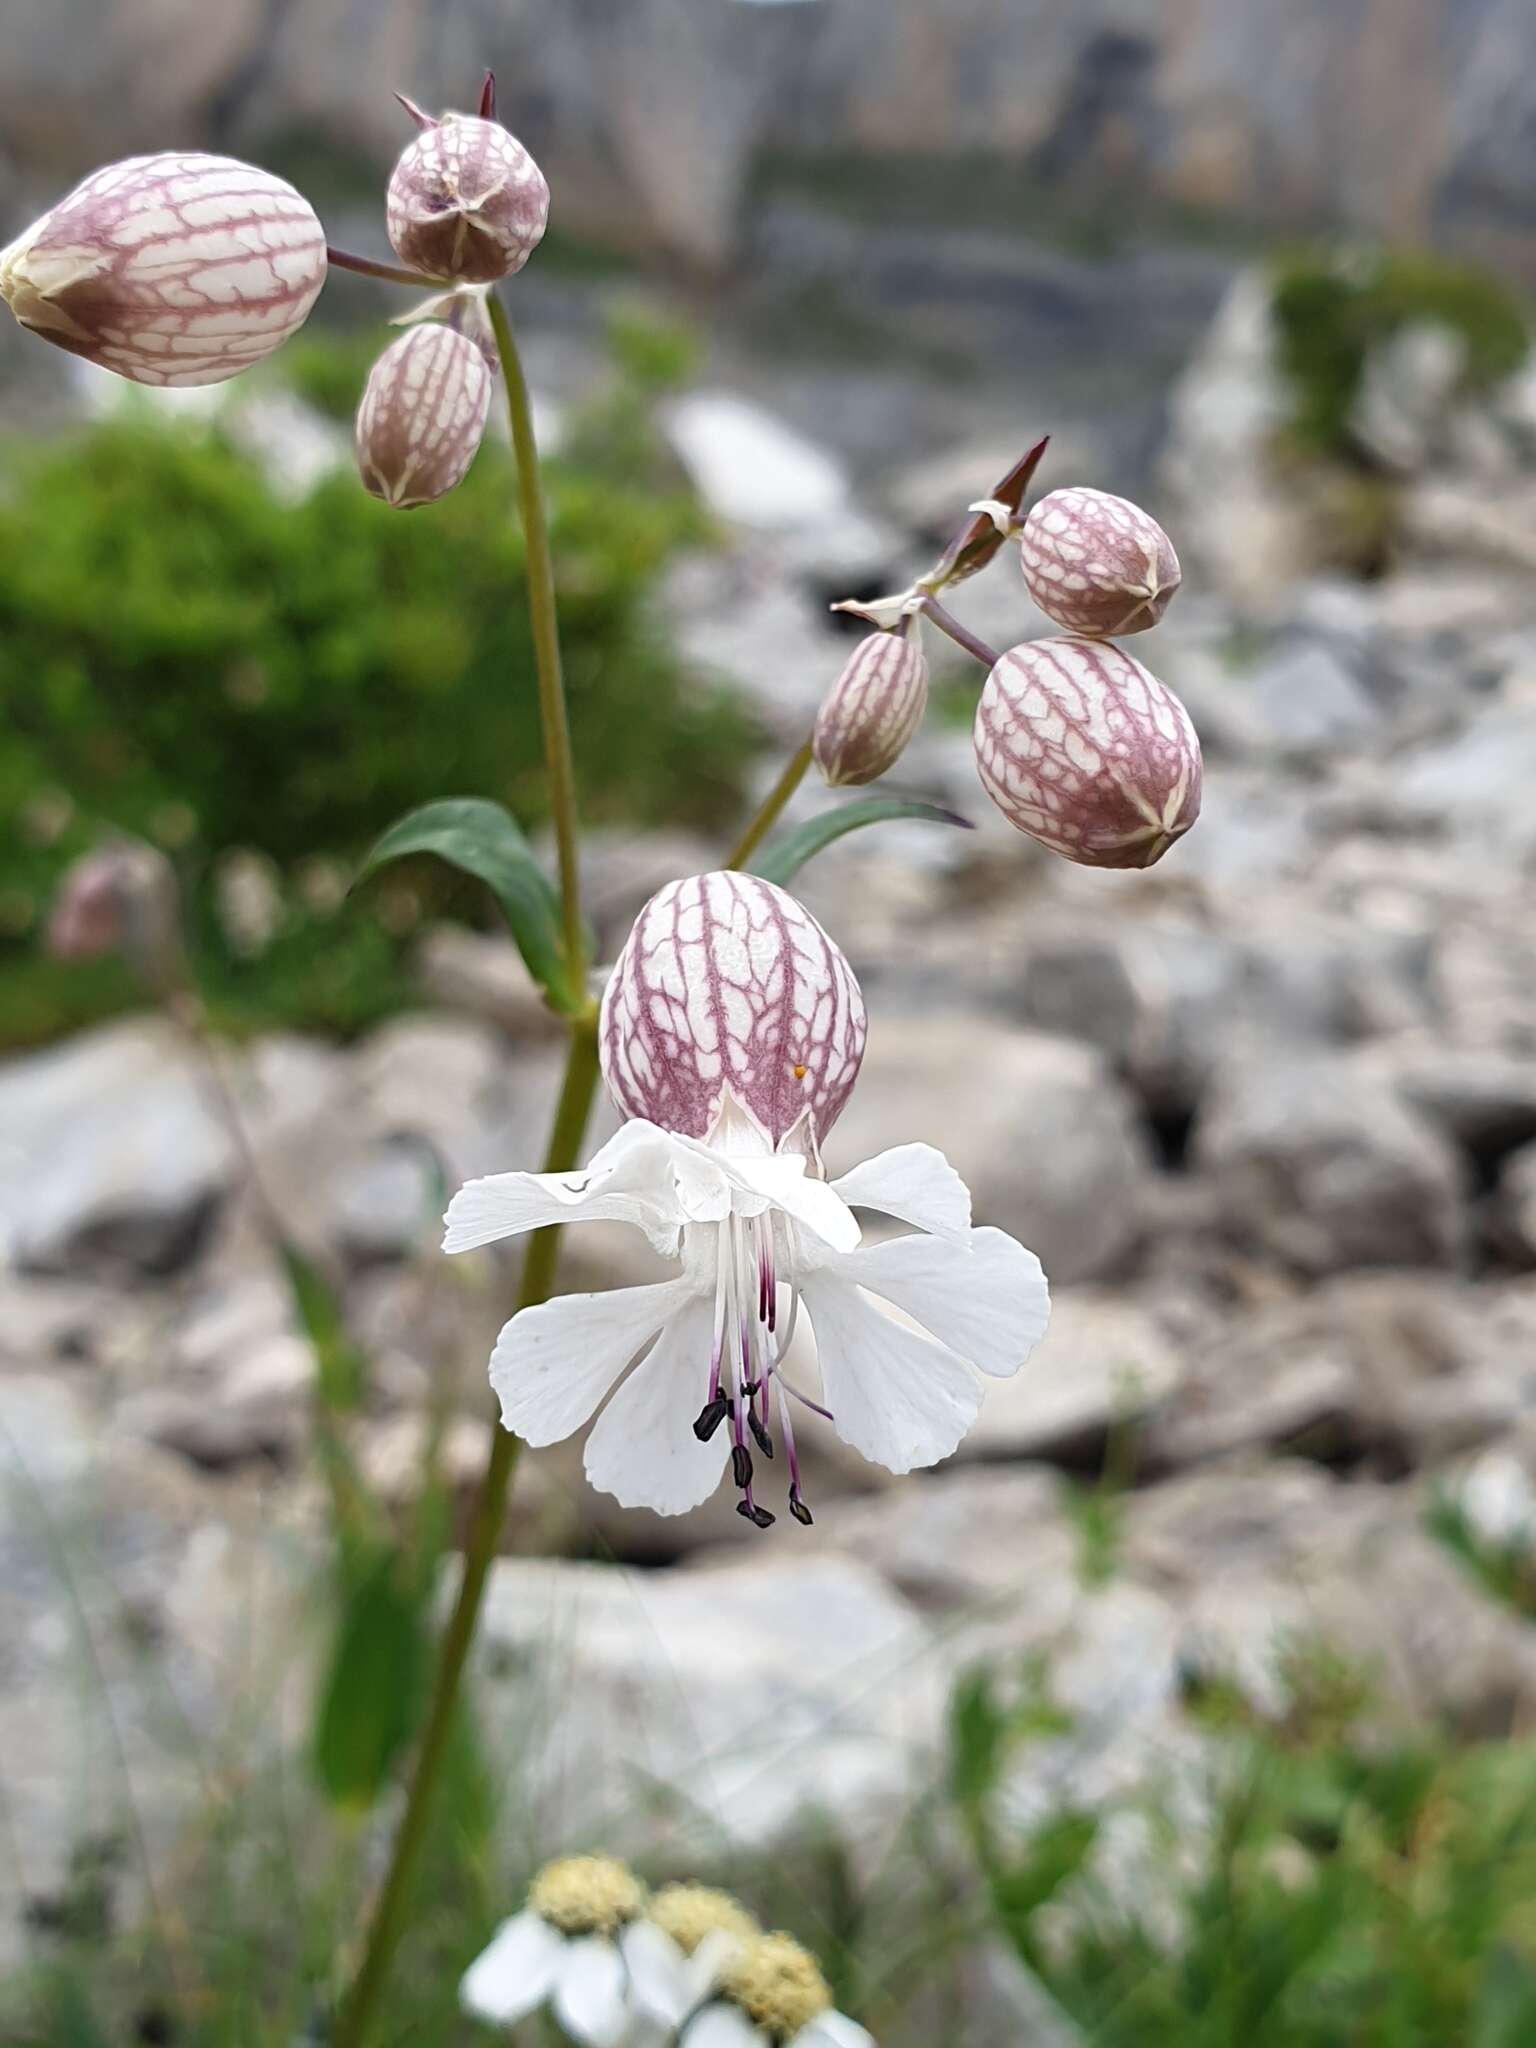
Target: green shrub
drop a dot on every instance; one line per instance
(1332, 308)
(185, 656)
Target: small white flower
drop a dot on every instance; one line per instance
(771, 1994)
(566, 1951)
(758, 1237)
(678, 1953)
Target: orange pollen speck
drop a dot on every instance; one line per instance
(800, 1073)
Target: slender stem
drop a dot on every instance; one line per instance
(546, 640)
(768, 813)
(480, 1546)
(391, 273)
(962, 636)
(564, 1150)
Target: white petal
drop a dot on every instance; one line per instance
(554, 1363)
(784, 1184)
(723, 2026)
(643, 1450)
(833, 2030)
(985, 1296)
(660, 1977)
(515, 1973)
(630, 1180)
(895, 1395)
(913, 1182)
(709, 1959)
(591, 2001)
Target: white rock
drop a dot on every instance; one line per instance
(1037, 1127)
(731, 1710)
(111, 1154)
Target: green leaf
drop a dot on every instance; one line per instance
(481, 838)
(373, 1690)
(1506, 2002)
(782, 858)
(340, 1369)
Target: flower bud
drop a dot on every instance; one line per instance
(1086, 751)
(1097, 564)
(872, 710)
(120, 899)
(727, 983)
(173, 269)
(422, 414)
(466, 201)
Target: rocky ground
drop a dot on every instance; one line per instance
(1268, 1114)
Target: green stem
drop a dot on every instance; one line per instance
(564, 1151)
(546, 639)
(480, 1547)
(768, 814)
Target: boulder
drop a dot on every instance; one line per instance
(1103, 1366)
(1320, 1165)
(764, 1705)
(1038, 1128)
(114, 1158)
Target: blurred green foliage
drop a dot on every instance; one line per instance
(187, 655)
(1346, 1889)
(1333, 307)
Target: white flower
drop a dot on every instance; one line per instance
(758, 1237)
(565, 1951)
(771, 1994)
(677, 1954)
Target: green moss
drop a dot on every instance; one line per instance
(1332, 308)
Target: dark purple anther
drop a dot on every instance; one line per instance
(710, 1418)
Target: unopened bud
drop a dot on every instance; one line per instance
(172, 269)
(1086, 751)
(120, 899)
(466, 201)
(873, 709)
(1098, 564)
(422, 414)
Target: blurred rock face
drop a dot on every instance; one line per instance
(1408, 116)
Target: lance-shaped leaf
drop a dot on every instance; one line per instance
(782, 858)
(371, 1699)
(480, 838)
(979, 540)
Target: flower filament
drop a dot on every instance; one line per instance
(746, 1385)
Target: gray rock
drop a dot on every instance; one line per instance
(1309, 698)
(137, 1660)
(1399, 1370)
(1037, 1127)
(1408, 390)
(257, 1411)
(1103, 1365)
(1274, 1569)
(967, 1535)
(1517, 1203)
(113, 1159)
(483, 975)
(1319, 1164)
(387, 1202)
(762, 1704)
(1476, 784)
